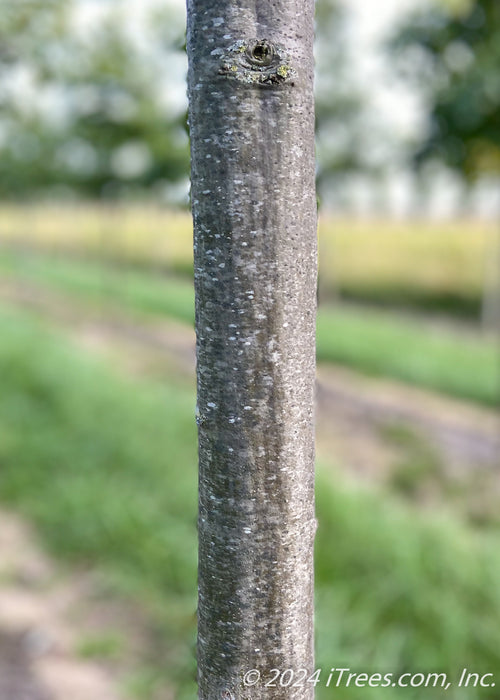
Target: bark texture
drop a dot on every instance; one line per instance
(254, 210)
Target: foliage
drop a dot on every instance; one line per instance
(81, 112)
(27, 28)
(454, 56)
(373, 342)
(106, 467)
(87, 108)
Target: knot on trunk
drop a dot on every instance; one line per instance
(257, 62)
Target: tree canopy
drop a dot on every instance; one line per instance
(453, 53)
(86, 111)
(88, 108)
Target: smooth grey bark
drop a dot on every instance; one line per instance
(251, 117)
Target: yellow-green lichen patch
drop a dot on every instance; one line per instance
(256, 62)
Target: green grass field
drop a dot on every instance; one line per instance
(374, 342)
(106, 468)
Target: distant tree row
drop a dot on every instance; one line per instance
(87, 111)
(91, 111)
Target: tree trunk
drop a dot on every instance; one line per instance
(254, 210)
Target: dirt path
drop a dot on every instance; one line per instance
(48, 621)
(466, 437)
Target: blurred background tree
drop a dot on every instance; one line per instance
(82, 114)
(81, 111)
(452, 53)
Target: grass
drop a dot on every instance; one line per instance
(396, 590)
(383, 344)
(99, 647)
(106, 468)
(374, 342)
(103, 282)
(433, 266)
(418, 469)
